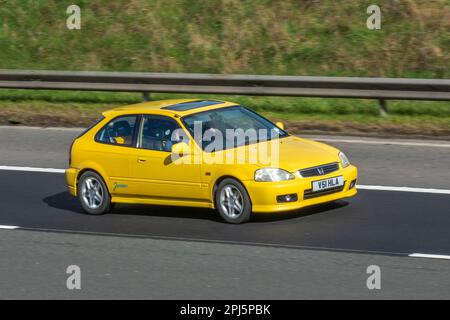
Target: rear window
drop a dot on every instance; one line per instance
(90, 127)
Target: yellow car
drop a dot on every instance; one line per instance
(203, 153)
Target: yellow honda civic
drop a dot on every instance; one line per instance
(203, 153)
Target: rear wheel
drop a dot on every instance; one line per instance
(232, 201)
(93, 194)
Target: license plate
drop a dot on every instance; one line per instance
(327, 183)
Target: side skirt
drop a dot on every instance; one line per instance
(162, 201)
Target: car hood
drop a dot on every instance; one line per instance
(292, 153)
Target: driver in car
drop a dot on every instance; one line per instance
(122, 133)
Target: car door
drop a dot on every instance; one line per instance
(157, 175)
(114, 152)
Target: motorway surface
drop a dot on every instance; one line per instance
(320, 252)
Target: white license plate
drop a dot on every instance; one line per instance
(327, 183)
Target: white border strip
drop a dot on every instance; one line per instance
(360, 187)
(31, 169)
(8, 227)
(387, 142)
(403, 189)
(429, 256)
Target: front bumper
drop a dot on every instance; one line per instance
(264, 194)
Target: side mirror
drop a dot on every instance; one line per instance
(181, 149)
(280, 125)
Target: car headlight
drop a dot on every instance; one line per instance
(272, 174)
(344, 160)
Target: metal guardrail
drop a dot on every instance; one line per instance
(257, 85)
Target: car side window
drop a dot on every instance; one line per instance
(119, 131)
(160, 133)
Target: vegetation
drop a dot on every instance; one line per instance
(289, 37)
(346, 116)
(308, 37)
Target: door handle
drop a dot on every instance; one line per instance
(142, 160)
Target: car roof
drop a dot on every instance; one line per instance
(180, 107)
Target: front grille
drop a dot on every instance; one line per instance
(319, 170)
(310, 194)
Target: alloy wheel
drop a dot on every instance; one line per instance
(92, 193)
(231, 201)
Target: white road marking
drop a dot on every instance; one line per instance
(387, 142)
(9, 227)
(31, 169)
(430, 256)
(361, 187)
(404, 189)
(41, 128)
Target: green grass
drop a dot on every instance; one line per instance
(291, 37)
(65, 108)
(287, 107)
(288, 37)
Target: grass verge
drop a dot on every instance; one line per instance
(343, 116)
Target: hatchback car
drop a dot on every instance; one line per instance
(203, 153)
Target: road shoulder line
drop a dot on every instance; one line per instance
(360, 187)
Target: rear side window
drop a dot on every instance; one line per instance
(119, 131)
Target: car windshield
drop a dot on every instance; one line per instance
(230, 127)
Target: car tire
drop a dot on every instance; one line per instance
(93, 194)
(232, 201)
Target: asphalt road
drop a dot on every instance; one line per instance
(377, 221)
(170, 252)
(33, 266)
(418, 164)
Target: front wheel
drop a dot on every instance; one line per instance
(93, 193)
(232, 201)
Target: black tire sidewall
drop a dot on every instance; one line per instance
(245, 215)
(106, 205)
